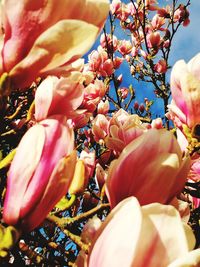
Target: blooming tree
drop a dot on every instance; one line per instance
(90, 177)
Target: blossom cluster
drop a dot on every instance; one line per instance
(85, 147)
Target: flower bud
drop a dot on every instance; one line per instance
(40, 173)
(150, 164)
(144, 234)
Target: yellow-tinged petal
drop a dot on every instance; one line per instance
(78, 182)
(67, 40)
(64, 203)
(191, 259)
(39, 16)
(158, 241)
(147, 236)
(191, 93)
(95, 12)
(190, 236)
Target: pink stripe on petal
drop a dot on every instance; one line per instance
(22, 169)
(56, 188)
(59, 142)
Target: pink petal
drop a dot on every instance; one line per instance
(59, 142)
(182, 140)
(22, 169)
(25, 21)
(54, 48)
(56, 188)
(44, 97)
(177, 112)
(150, 164)
(191, 93)
(179, 70)
(158, 244)
(58, 96)
(123, 223)
(144, 237)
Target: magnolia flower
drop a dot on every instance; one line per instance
(100, 127)
(182, 15)
(123, 128)
(115, 7)
(124, 47)
(185, 88)
(40, 173)
(151, 4)
(100, 62)
(81, 120)
(150, 236)
(103, 107)
(109, 41)
(58, 96)
(154, 40)
(117, 61)
(123, 92)
(42, 35)
(93, 94)
(150, 168)
(157, 22)
(161, 66)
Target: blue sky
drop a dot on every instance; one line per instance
(186, 45)
(187, 40)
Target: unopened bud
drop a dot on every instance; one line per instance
(136, 105)
(157, 123)
(141, 108)
(89, 202)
